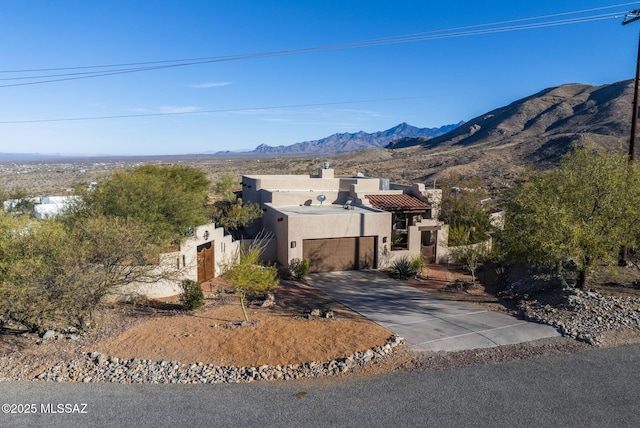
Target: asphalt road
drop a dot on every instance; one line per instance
(595, 388)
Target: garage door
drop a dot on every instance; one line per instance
(336, 254)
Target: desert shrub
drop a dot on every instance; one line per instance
(404, 268)
(298, 269)
(54, 274)
(418, 263)
(192, 296)
(472, 256)
(249, 278)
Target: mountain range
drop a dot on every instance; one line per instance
(547, 123)
(500, 145)
(352, 142)
(496, 147)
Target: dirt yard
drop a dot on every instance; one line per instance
(285, 333)
(282, 334)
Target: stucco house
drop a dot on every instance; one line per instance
(346, 223)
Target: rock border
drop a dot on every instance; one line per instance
(584, 315)
(98, 368)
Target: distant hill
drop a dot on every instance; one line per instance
(546, 122)
(533, 132)
(15, 157)
(348, 142)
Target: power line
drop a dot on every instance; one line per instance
(232, 110)
(327, 46)
(465, 31)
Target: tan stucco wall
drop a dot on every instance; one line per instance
(185, 263)
(283, 190)
(442, 247)
(277, 224)
(308, 197)
(297, 228)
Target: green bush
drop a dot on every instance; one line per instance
(192, 296)
(404, 268)
(249, 278)
(298, 269)
(418, 263)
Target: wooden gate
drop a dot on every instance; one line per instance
(429, 253)
(206, 262)
(428, 247)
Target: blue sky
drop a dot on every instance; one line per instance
(283, 99)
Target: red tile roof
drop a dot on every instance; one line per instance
(396, 202)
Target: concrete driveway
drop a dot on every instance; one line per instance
(427, 323)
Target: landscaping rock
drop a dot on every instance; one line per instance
(50, 334)
(583, 315)
(98, 368)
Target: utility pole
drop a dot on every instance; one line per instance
(630, 17)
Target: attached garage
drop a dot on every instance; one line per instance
(338, 254)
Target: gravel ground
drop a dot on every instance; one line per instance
(585, 318)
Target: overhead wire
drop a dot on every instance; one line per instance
(135, 67)
(464, 31)
(338, 44)
(234, 110)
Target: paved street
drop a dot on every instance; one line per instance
(428, 323)
(595, 388)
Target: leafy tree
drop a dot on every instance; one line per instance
(169, 200)
(249, 278)
(37, 264)
(225, 186)
(115, 252)
(471, 256)
(24, 200)
(53, 274)
(468, 221)
(583, 211)
(228, 210)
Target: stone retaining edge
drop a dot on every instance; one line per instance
(99, 368)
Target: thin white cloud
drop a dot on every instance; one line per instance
(258, 112)
(276, 119)
(209, 85)
(178, 109)
(362, 113)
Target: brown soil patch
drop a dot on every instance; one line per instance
(213, 335)
(278, 335)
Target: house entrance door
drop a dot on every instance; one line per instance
(206, 262)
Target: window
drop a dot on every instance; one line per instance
(399, 221)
